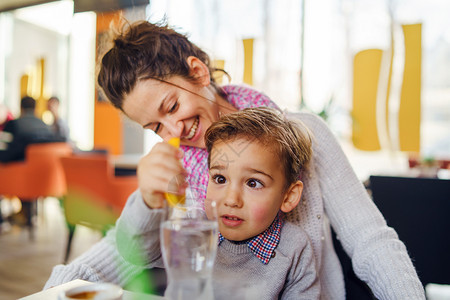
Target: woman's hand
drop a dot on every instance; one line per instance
(159, 172)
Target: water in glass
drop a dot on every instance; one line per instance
(189, 246)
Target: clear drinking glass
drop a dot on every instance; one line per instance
(188, 247)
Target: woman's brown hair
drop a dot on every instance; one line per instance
(143, 50)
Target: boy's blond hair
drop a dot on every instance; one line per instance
(290, 139)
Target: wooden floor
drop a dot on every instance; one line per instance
(25, 265)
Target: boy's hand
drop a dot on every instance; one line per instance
(161, 172)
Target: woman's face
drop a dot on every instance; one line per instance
(176, 108)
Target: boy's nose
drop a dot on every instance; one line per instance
(233, 198)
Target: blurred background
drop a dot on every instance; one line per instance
(378, 72)
(303, 54)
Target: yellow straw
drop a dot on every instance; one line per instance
(172, 198)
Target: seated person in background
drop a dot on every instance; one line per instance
(59, 127)
(25, 130)
(5, 116)
(255, 158)
(18, 134)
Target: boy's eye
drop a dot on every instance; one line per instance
(219, 179)
(255, 184)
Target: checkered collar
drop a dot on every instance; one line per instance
(264, 244)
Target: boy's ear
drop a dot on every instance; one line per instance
(292, 196)
(199, 70)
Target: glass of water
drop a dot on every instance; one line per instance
(188, 246)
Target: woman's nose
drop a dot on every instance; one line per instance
(174, 129)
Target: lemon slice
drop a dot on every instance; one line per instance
(175, 200)
(172, 198)
(174, 142)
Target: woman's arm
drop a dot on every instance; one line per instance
(101, 263)
(116, 261)
(137, 233)
(378, 257)
(133, 245)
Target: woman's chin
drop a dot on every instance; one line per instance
(198, 143)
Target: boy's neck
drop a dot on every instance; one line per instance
(280, 216)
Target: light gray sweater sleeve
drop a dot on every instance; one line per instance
(137, 233)
(103, 262)
(379, 258)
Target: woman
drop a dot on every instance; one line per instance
(164, 83)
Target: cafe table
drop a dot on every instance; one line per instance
(52, 293)
(125, 164)
(126, 161)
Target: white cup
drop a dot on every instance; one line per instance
(97, 291)
(437, 291)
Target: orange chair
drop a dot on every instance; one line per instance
(95, 197)
(39, 175)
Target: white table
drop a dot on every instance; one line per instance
(52, 293)
(126, 161)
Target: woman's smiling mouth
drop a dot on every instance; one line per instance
(193, 129)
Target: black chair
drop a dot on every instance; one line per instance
(419, 210)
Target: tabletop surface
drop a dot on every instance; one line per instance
(126, 160)
(52, 293)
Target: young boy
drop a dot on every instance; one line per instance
(255, 158)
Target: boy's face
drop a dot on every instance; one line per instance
(246, 180)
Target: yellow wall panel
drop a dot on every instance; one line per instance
(366, 72)
(248, 61)
(218, 75)
(388, 92)
(23, 86)
(41, 102)
(409, 111)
